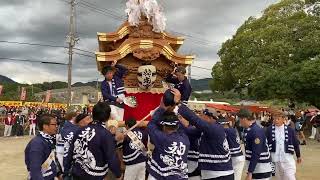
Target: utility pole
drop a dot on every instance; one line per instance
(71, 39)
(19, 93)
(97, 86)
(32, 89)
(189, 73)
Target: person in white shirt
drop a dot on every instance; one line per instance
(8, 122)
(32, 124)
(313, 121)
(283, 143)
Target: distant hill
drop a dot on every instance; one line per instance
(51, 85)
(197, 85)
(4, 79)
(92, 84)
(200, 85)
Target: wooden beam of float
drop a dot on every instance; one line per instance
(123, 124)
(124, 30)
(130, 45)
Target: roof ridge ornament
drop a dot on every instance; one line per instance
(148, 8)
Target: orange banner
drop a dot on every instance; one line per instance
(48, 95)
(23, 94)
(1, 87)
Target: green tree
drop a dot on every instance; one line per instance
(300, 81)
(52, 85)
(266, 55)
(10, 92)
(222, 80)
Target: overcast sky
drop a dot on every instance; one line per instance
(206, 24)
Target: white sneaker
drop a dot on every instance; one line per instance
(311, 137)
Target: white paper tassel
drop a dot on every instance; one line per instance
(133, 12)
(150, 9)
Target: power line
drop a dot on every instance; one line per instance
(191, 66)
(202, 77)
(100, 12)
(32, 44)
(107, 12)
(196, 39)
(84, 55)
(199, 67)
(202, 68)
(163, 4)
(47, 45)
(44, 45)
(30, 60)
(84, 50)
(65, 1)
(201, 41)
(57, 46)
(103, 9)
(203, 60)
(193, 75)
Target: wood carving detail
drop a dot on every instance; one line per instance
(144, 30)
(146, 54)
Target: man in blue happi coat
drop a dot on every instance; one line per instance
(40, 156)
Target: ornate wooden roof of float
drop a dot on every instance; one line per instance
(125, 30)
(147, 50)
(142, 43)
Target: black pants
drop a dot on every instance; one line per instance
(229, 177)
(82, 178)
(68, 178)
(195, 173)
(262, 175)
(19, 130)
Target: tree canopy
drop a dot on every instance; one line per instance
(11, 90)
(275, 55)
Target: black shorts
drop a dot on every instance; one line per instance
(262, 175)
(196, 172)
(229, 177)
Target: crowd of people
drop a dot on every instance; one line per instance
(17, 120)
(177, 143)
(185, 146)
(300, 121)
(22, 120)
